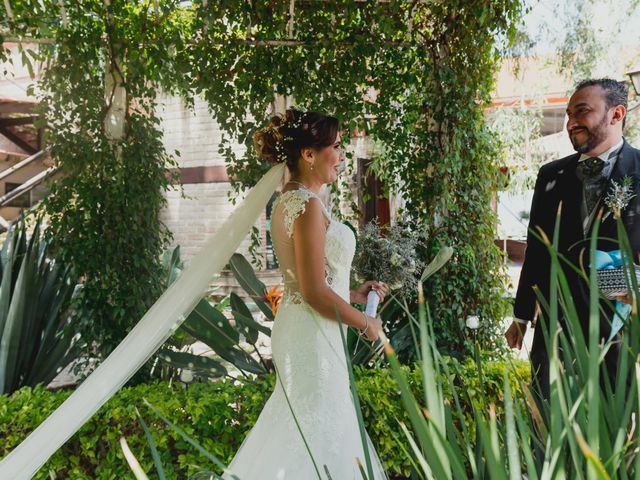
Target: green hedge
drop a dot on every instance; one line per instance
(218, 415)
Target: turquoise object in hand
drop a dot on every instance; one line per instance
(603, 260)
(608, 260)
(616, 256)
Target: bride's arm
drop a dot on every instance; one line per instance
(309, 231)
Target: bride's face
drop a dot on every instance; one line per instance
(328, 162)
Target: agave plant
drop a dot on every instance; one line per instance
(37, 335)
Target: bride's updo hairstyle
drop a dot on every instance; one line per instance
(284, 137)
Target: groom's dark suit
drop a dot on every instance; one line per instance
(557, 182)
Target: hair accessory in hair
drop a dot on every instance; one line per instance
(282, 154)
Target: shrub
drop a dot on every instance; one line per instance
(216, 414)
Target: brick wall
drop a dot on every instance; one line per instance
(195, 216)
(191, 131)
(194, 219)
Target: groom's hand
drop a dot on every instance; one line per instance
(515, 334)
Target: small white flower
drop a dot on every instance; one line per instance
(395, 259)
(186, 375)
(473, 322)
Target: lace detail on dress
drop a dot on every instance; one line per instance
(292, 297)
(329, 274)
(294, 203)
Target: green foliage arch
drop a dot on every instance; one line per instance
(414, 75)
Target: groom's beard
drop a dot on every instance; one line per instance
(595, 137)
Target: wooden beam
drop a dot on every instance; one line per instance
(40, 138)
(11, 122)
(11, 170)
(27, 186)
(7, 7)
(259, 43)
(24, 145)
(194, 175)
(16, 106)
(39, 41)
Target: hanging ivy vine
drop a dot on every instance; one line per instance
(106, 62)
(414, 75)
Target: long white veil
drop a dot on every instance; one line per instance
(162, 319)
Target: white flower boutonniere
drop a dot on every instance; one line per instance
(619, 197)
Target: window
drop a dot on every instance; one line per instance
(373, 203)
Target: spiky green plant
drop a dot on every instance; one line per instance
(586, 430)
(37, 335)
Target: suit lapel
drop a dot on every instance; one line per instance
(625, 166)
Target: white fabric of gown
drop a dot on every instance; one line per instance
(311, 369)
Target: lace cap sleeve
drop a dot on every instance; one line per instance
(294, 203)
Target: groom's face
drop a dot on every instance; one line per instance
(589, 122)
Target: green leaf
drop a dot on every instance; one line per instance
(244, 320)
(247, 279)
(198, 363)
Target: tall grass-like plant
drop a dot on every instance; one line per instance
(247, 279)
(37, 336)
(586, 430)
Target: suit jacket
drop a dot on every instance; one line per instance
(557, 182)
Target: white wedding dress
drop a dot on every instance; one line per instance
(312, 378)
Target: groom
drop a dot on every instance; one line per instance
(596, 117)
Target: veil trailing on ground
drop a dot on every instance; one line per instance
(162, 319)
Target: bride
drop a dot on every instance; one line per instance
(308, 428)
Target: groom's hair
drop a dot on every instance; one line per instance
(615, 92)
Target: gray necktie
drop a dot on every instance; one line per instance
(591, 172)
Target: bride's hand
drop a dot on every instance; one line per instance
(374, 328)
(359, 295)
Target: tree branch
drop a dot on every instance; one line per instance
(43, 41)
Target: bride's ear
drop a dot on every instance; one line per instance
(308, 155)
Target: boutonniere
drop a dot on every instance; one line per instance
(619, 196)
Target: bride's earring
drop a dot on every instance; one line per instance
(311, 168)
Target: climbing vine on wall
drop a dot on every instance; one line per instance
(414, 75)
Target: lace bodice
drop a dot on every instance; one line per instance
(339, 244)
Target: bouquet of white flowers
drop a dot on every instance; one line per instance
(390, 258)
